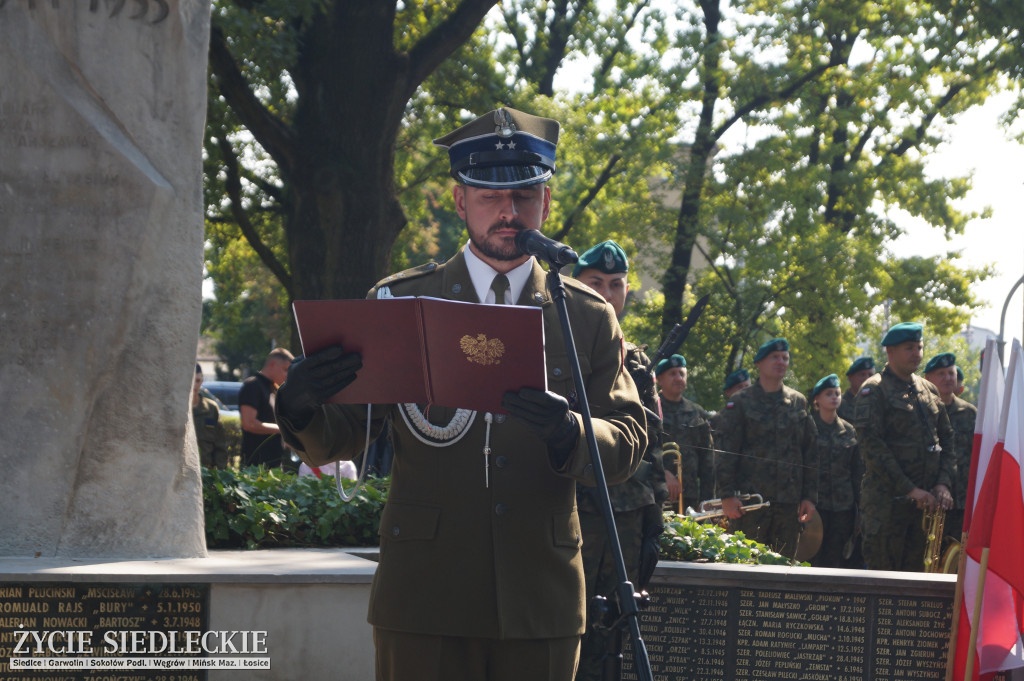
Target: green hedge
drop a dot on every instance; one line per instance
(256, 508)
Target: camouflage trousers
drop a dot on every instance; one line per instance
(893, 536)
(836, 526)
(601, 578)
(776, 526)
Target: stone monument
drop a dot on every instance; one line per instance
(102, 107)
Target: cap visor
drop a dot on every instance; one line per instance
(504, 177)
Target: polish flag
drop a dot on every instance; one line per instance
(994, 561)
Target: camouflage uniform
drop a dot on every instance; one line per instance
(839, 481)
(637, 506)
(769, 447)
(213, 447)
(907, 442)
(962, 417)
(686, 423)
(845, 410)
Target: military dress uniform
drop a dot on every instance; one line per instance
(688, 425)
(769, 447)
(962, 417)
(501, 561)
(907, 442)
(839, 479)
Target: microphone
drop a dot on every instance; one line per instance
(532, 242)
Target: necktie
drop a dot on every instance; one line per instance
(499, 286)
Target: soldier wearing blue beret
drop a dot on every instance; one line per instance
(513, 606)
(908, 447)
(840, 474)
(769, 447)
(860, 370)
(691, 473)
(942, 372)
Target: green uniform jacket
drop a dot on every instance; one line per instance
(962, 417)
(686, 424)
(898, 445)
(461, 559)
(769, 447)
(213, 448)
(845, 410)
(842, 468)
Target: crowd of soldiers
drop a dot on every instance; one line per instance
(863, 465)
(870, 462)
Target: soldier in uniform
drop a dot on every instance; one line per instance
(942, 372)
(861, 369)
(769, 447)
(686, 424)
(734, 382)
(907, 445)
(480, 574)
(210, 437)
(840, 473)
(636, 502)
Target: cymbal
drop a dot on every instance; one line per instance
(810, 539)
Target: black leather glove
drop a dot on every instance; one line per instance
(313, 380)
(549, 416)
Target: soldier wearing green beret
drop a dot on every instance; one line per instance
(908, 448)
(769, 447)
(480, 575)
(636, 502)
(210, 436)
(841, 470)
(734, 382)
(687, 425)
(861, 370)
(942, 372)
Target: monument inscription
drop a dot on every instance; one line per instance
(99, 620)
(700, 632)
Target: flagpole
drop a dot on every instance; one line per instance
(958, 597)
(978, 599)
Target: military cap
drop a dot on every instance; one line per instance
(903, 332)
(669, 363)
(607, 256)
(959, 375)
(860, 364)
(940, 361)
(736, 377)
(502, 149)
(830, 381)
(774, 345)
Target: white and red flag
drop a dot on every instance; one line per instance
(992, 609)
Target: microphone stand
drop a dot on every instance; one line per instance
(628, 605)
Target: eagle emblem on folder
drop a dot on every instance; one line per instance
(482, 350)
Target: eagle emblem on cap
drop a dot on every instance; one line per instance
(504, 126)
(482, 350)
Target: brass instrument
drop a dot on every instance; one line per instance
(673, 448)
(712, 508)
(933, 522)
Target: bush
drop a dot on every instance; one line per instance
(686, 539)
(256, 508)
(232, 426)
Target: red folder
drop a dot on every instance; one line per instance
(429, 350)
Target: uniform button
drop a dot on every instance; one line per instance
(500, 462)
(457, 288)
(588, 469)
(394, 531)
(556, 371)
(499, 418)
(500, 509)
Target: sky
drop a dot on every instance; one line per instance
(977, 144)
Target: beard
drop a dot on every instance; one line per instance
(498, 248)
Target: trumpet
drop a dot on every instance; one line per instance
(712, 508)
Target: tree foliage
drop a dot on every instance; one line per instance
(753, 150)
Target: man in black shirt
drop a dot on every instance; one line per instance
(261, 439)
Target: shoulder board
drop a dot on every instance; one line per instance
(406, 275)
